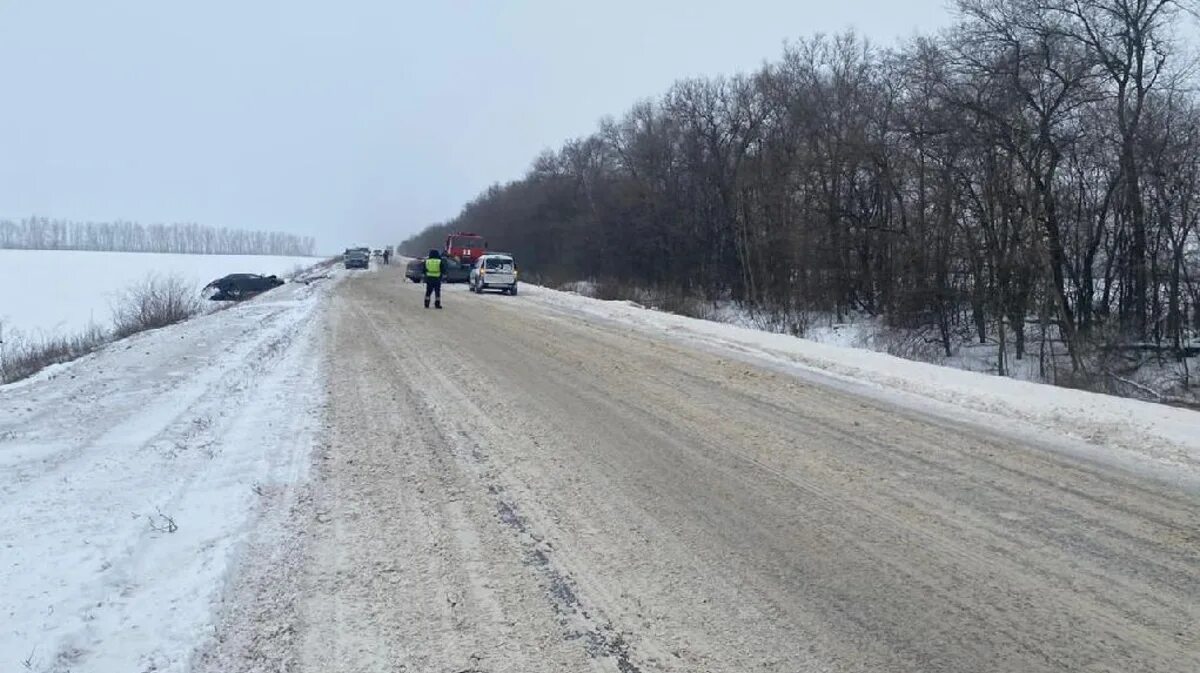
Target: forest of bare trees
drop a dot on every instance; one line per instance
(1029, 178)
(39, 233)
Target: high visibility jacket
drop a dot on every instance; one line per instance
(433, 268)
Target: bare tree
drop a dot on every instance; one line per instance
(1033, 166)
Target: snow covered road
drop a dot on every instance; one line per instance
(546, 483)
(512, 488)
(130, 479)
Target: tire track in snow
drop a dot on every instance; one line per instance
(580, 622)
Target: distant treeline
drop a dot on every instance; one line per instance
(1038, 163)
(39, 233)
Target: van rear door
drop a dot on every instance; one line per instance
(498, 271)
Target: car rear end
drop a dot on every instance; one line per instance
(497, 272)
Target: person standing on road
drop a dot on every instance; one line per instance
(387, 255)
(433, 278)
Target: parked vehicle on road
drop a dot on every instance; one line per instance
(239, 286)
(465, 247)
(415, 270)
(494, 271)
(452, 271)
(355, 258)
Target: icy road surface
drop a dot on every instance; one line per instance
(509, 487)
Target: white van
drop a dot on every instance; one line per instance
(494, 271)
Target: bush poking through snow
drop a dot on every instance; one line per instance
(155, 302)
(161, 523)
(22, 357)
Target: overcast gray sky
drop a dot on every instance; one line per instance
(351, 120)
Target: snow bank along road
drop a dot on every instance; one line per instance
(130, 480)
(508, 488)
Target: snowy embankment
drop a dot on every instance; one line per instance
(54, 292)
(1162, 439)
(130, 478)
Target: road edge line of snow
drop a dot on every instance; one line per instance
(1153, 439)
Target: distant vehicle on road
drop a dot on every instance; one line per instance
(356, 258)
(239, 286)
(494, 271)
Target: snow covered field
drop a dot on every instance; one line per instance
(55, 292)
(130, 478)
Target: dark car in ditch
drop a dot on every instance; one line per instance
(239, 286)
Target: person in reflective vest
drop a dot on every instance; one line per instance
(433, 278)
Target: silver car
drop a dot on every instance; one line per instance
(494, 271)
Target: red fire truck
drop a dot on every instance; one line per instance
(465, 247)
